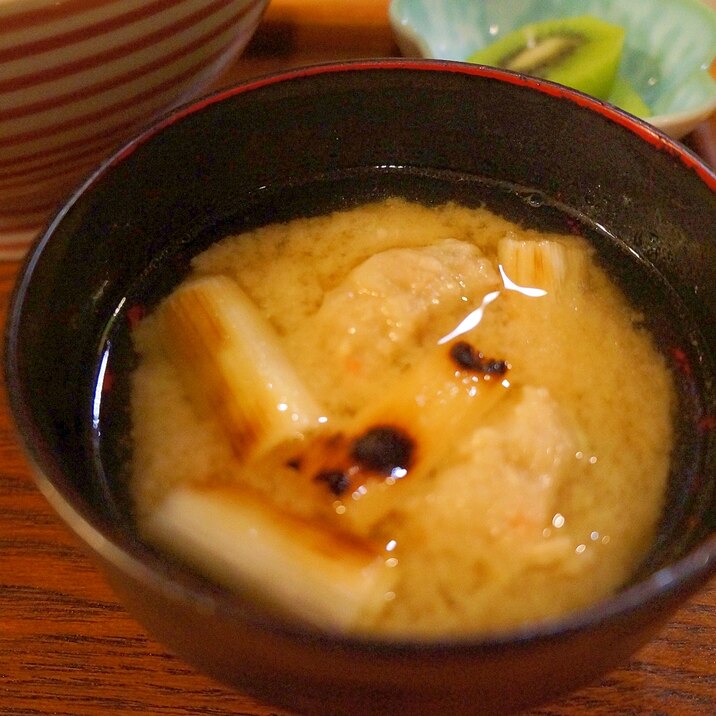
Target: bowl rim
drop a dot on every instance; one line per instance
(656, 136)
(136, 560)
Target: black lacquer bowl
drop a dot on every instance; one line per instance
(323, 138)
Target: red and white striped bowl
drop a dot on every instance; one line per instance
(79, 76)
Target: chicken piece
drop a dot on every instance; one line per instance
(392, 305)
(508, 473)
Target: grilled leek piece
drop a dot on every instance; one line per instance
(241, 540)
(402, 437)
(552, 266)
(233, 366)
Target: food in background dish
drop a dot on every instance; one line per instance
(403, 420)
(580, 52)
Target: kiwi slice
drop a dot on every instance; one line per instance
(580, 52)
(624, 95)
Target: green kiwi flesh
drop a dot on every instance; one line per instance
(581, 52)
(624, 95)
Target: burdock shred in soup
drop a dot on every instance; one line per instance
(402, 420)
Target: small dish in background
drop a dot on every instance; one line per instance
(668, 49)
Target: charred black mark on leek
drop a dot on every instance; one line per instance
(383, 449)
(468, 358)
(338, 482)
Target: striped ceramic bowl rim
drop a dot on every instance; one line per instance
(79, 76)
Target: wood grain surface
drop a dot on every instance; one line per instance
(67, 648)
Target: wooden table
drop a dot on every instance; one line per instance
(67, 648)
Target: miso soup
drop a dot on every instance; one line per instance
(402, 419)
